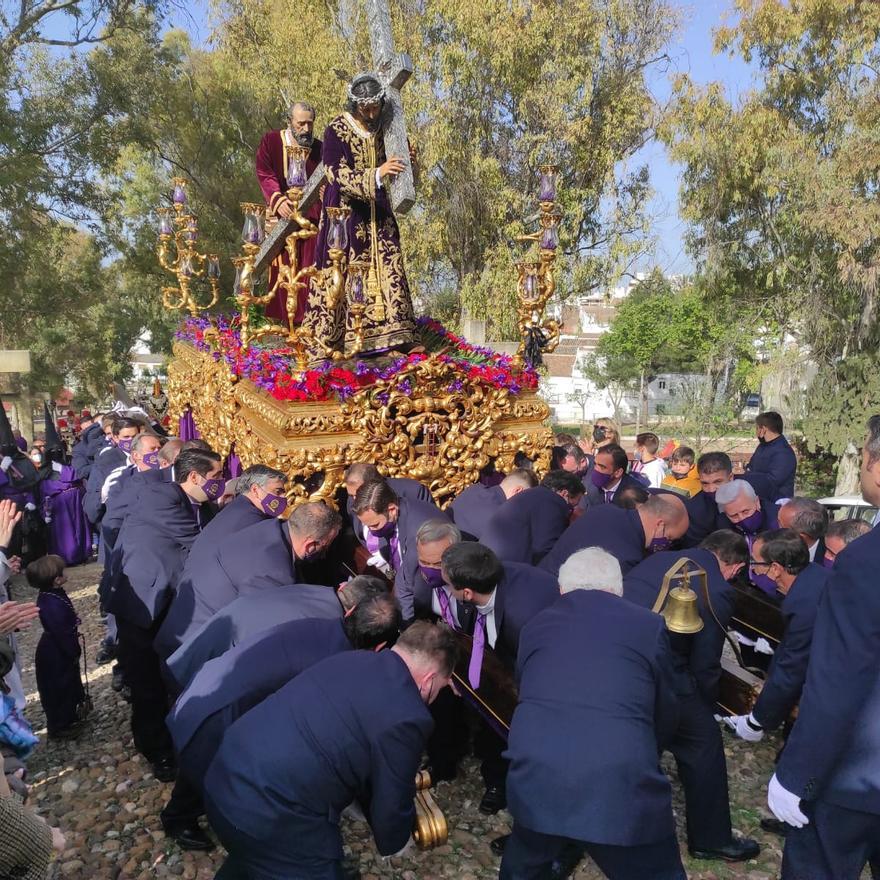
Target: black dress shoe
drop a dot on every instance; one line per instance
(165, 770)
(440, 773)
(107, 654)
(494, 799)
(350, 870)
(117, 679)
(190, 837)
(567, 862)
(740, 849)
(774, 826)
(498, 844)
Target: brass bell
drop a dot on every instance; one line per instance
(677, 602)
(681, 612)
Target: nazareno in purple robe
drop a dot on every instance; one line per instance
(70, 534)
(351, 156)
(57, 660)
(271, 164)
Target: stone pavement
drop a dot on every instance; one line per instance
(103, 796)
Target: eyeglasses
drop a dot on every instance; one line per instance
(754, 563)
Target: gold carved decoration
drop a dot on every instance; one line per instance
(430, 422)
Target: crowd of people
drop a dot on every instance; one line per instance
(282, 672)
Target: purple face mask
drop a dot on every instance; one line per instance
(433, 576)
(752, 522)
(385, 531)
(125, 444)
(827, 563)
(273, 505)
(600, 480)
(763, 582)
(151, 460)
(213, 488)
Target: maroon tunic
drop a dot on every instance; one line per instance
(273, 182)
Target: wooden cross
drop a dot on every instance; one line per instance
(395, 70)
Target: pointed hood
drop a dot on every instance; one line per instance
(7, 440)
(53, 440)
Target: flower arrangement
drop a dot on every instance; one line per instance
(269, 367)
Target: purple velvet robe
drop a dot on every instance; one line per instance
(272, 174)
(351, 156)
(57, 660)
(70, 535)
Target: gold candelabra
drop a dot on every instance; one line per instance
(187, 265)
(537, 280)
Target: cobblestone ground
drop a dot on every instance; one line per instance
(103, 796)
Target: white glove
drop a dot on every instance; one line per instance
(744, 640)
(745, 727)
(30, 506)
(762, 646)
(785, 805)
(4, 464)
(377, 560)
(57, 467)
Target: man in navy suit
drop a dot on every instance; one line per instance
(827, 781)
(229, 685)
(584, 745)
(433, 539)
(697, 743)
(504, 597)
(123, 432)
(774, 458)
(473, 508)
(742, 510)
(268, 554)
(608, 476)
(391, 524)
(784, 558)
(363, 472)
(810, 520)
(82, 454)
(526, 527)
(627, 535)
(259, 496)
(352, 726)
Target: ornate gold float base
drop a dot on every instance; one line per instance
(430, 422)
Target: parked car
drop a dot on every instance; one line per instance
(848, 507)
(751, 408)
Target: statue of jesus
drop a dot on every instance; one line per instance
(358, 176)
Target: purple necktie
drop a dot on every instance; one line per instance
(476, 663)
(445, 610)
(609, 496)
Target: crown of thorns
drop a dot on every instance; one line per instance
(364, 100)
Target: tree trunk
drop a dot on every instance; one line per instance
(848, 472)
(642, 403)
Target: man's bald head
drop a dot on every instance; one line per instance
(663, 515)
(169, 452)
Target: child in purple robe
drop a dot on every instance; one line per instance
(58, 651)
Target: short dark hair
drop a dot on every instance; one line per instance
(42, 573)
(314, 519)
(363, 587)
(785, 547)
(201, 461)
(630, 496)
(810, 517)
(848, 529)
(375, 495)
(770, 420)
(367, 87)
(564, 439)
(712, 462)
(575, 452)
(619, 458)
(683, 454)
(257, 475)
(649, 440)
(563, 481)
(729, 546)
(121, 424)
(472, 566)
(872, 441)
(372, 621)
(198, 443)
(433, 642)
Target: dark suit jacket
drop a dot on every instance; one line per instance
(697, 658)
(525, 528)
(834, 749)
(350, 726)
(404, 488)
(109, 459)
(149, 554)
(777, 460)
(228, 686)
(83, 452)
(785, 680)
(257, 557)
(703, 518)
(596, 728)
(122, 495)
(594, 496)
(246, 616)
(615, 530)
(238, 515)
(472, 510)
(413, 514)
